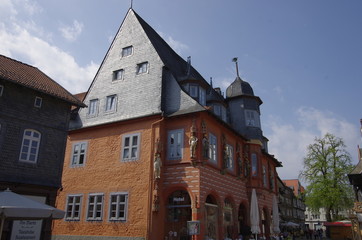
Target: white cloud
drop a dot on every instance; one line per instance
(288, 142)
(71, 33)
(26, 41)
(30, 7)
(56, 63)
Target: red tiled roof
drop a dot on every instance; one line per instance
(31, 77)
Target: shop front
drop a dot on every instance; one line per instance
(178, 214)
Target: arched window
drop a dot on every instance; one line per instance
(178, 214)
(211, 218)
(228, 219)
(30, 146)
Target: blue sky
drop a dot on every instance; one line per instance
(302, 58)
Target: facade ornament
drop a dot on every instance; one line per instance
(246, 161)
(239, 159)
(205, 141)
(157, 164)
(193, 140)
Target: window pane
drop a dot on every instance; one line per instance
(126, 141)
(135, 139)
(134, 152)
(126, 153)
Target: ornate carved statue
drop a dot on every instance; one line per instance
(193, 143)
(157, 164)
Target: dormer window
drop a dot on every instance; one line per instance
(220, 111)
(194, 91)
(127, 51)
(118, 75)
(198, 93)
(142, 67)
(37, 102)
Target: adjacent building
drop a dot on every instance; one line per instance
(291, 203)
(34, 117)
(159, 153)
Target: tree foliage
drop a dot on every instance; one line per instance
(326, 166)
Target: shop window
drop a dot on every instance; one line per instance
(228, 220)
(178, 214)
(211, 218)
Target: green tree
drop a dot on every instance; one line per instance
(326, 166)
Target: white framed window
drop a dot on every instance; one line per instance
(95, 207)
(142, 68)
(30, 146)
(111, 102)
(79, 153)
(194, 91)
(254, 164)
(1, 90)
(93, 107)
(73, 207)
(118, 206)
(175, 142)
(38, 102)
(251, 118)
(131, 145)
(118, 75)
(213, 147)
(230, 157)
(127, 51)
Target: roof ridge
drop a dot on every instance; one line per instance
(14, 60)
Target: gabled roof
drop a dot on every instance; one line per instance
(177, 65)
(31, 77)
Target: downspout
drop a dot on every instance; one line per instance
(150, 191)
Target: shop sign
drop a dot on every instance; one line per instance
(193, 227)
(178, 199)
(26, 230)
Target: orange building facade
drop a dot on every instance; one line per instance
(171, 167)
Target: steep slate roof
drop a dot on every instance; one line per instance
(31, 77)
(170, 58)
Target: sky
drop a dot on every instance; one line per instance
(302, 58)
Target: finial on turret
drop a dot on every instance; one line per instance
(235, 60)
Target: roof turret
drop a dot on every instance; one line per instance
(239, 88)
